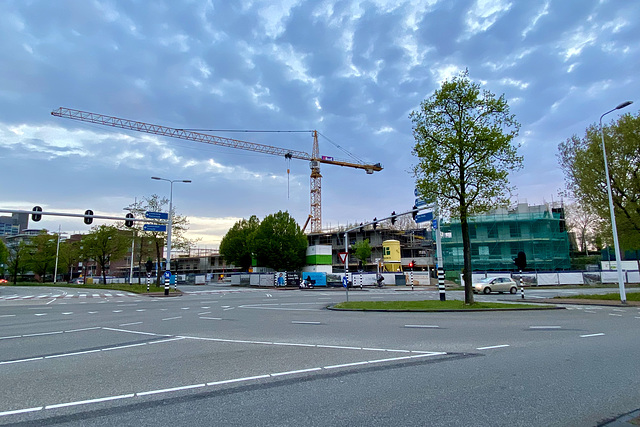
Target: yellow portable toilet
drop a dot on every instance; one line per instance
(391, 255)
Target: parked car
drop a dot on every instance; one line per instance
(495, 284)
(4, 281)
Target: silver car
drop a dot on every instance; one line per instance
(495, 284)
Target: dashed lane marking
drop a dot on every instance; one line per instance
(591, 335)
(492, 347)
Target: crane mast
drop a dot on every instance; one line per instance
(314, 159)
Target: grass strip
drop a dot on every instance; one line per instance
(631, 296)
(427, 305)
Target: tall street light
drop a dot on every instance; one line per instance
(623, 297)
(166, 287)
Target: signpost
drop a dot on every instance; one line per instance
(157, 215)
(424, 217)
(155, 227)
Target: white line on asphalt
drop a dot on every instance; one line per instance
(301, 322)
(173, 318)
(341, 347)
(21, 411)
(68, 313)
(344, 365)
(492, 346)
(70, 354)
(50, 301)
(91, 312)
(611, 314)
(422, 326)
(235, 380)
(230, 308)
(203, 313)
(141, 309)
(167, 340)
(83, 329)
(11, 336)
(293, 344)
(588, 311)
(84, 402)
(129, 324)
(8, 362)
(135, 332)
(300, 371)
(40, 314)
(591, 335)
(167, 390)
(185, 308)
(210, 318)
(545, 327)
(124, 346)
(117, 311)
(8, 315)
(43, 333)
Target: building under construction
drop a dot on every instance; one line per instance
(497, 238)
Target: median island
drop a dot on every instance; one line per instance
(430, 305)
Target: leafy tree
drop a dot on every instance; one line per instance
(16, 260)
(582, 162)
(362, 250)
(41, 251)
(584, 222)
(153, 242)
(235, 246)
(4, 256)
(68, 255)
(279, 243)
(104, 243)
(464, 145)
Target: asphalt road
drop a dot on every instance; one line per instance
(228, 356)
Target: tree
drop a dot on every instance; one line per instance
(16, 260)
(68, 255)
(279, 243)
(41, 251)
(584, 222)
(464, 145)
(582, 162)
(235, 246)
(4, 257)
(362, 250)
(145, 240)
(104, 243)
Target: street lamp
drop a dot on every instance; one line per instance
(623, 297)
(166, 287)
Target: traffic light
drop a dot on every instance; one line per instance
(34, 216)
(361, 228)
(128, 222)
(88, 220)
(411, 264)
(375, 223)
(393, 217)
(521, 261)
(414, 214)
(149, 265)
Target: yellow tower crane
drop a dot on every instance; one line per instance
(314, 159)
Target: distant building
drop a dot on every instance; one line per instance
(14, 224)
(497, 238)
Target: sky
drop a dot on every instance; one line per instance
(352, 70)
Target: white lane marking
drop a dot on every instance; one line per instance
(545, 327)
(11, 336)
(235, 380)
(107, 295)
(230, 308)
(591, 335)
(301, 322)
(120, 347)
(299, 371)
(40, 314)
(343, 347)
(67, 313)
(91, 312)
(96, 295)
(71, 354)
(210, 318)
(53, 300)
(492, 346)
(185, 308)
(205, 308)
(43, 333)
(134, 332)
(611, 314)
(8, 315)
(117, 311)
(618, 309)
(83, 329)
(167, 340)
(85, 402)
(589, 311)
(8, 362)
(293, 344)
(172, 318)
(168, 390)
(203, 313)
(129, 324)
(422, 326)
(21, 411)
(141, 309)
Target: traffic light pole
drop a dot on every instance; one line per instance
(117, 218)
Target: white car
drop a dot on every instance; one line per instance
(495, 284)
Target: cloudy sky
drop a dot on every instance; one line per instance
(353, 70)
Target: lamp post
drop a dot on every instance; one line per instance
(168, 268)
(623, 297)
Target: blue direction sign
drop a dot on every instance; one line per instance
(155, 227)
(167, 275)
(156, 215)
(434, 224)
(424, 217)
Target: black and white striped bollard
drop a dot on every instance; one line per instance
(441, 288)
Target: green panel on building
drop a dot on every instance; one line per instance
(319, 259)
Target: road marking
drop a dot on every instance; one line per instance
(40, 314)
(82, 329)
(85, 402)
(71, 354)
(185, 308)
(235, 380)
(422, 326)
(492, 346)
(8, 315)
(21, 411)
(300, 371)
(591, 335)
(67, 313)
(43, 333)
(211, 318)
(141, 309)
(117, 311)
(172, 318)
(301, 322)
(203, 313)
(230, 308)
(123, 346)
(611, 314)
(129, 324)
(168, 390)
(8, 362)
(545, 327)
(91, 312)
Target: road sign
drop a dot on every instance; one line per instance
(156, 215)
(424, 217)
(342, 256)
(420, 202)
(167, 274)
(345, 281)
(155, 227)
(434, 224)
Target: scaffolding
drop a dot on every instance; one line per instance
(496, 238)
